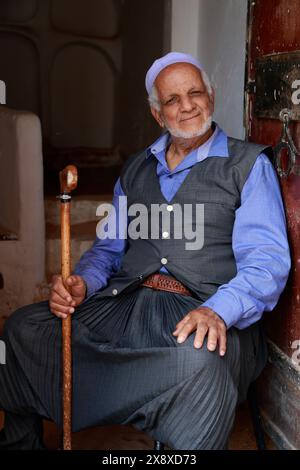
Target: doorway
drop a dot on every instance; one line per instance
(80, 66)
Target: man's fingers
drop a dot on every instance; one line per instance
(210, 325)
(68, 293)
(200, 334)
(58, 314)
(223, 342)
(61, 291)
(184, 332)
(56, 298)
(74, 280)
(181, 323)
(61, 308)
(212, 338)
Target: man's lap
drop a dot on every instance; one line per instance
(102, 366)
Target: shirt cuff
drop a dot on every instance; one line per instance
(92, 284)
(224, 306)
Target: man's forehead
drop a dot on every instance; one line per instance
(178, 74)
(178, 70)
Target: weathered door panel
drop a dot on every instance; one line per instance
(274, 28)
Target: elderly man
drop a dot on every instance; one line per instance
(166, 336)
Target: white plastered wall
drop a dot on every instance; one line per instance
(22, 261)
(215, 31)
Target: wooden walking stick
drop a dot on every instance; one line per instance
(68, 182)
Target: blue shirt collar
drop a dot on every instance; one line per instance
(215, 146)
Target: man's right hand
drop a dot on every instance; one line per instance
(63, 302)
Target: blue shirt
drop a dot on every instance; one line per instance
(259, 239)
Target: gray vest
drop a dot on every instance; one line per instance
(217, 183)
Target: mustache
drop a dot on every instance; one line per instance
(191, 117)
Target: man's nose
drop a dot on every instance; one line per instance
(187, 104)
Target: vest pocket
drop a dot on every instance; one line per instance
(222, 198)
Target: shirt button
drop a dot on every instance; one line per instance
(115, 291)
(169, 208)
(164, 261)
(165, 234)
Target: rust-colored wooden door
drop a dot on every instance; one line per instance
(273, 67)
(274, 31)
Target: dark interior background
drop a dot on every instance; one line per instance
(80, 65)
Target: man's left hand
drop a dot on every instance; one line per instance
(205, 321)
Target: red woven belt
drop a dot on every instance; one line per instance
(165, 282)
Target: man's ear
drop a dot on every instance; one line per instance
(157, 116)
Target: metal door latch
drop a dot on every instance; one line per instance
(286, 142)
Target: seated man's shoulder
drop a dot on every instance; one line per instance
(141, 154)
(131, 166)
(242, 146)
(134, 160)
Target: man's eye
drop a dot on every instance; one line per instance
(197, 92)
(171, 101)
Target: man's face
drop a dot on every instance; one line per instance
(186, 107)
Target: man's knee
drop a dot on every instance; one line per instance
(14, 321)
(18, 319)
(209, 359)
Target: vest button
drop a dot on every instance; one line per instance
(115, 291)
(164, 261)
(165, 234)
(169, 208)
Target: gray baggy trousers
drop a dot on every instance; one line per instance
(127, 369)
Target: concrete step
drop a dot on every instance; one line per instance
(83, 208)
(83, 229)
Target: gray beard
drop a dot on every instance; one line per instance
(190, 135)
